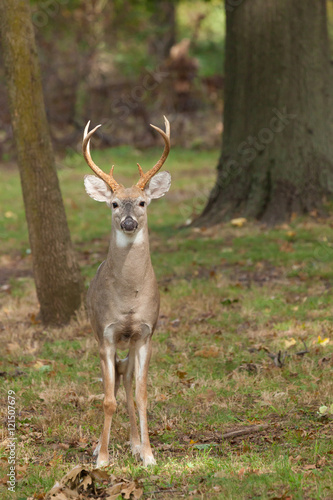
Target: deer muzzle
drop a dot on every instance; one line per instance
(129, 224)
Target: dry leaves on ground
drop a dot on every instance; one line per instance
(80, 483)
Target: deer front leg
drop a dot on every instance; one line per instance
(108, 359)
(142, 357)
(128, 381)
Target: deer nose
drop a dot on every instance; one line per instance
(129, 224)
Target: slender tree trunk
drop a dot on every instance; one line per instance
(58, 281)
(277, 153)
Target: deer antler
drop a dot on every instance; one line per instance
(86, 153)
(145, 177)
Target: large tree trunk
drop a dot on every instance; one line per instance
(277, 153)
(57, 276)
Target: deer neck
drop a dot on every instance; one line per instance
(129, 255)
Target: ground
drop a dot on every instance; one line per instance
(242, 360)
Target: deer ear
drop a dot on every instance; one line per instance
(97, 189)
(159, 185)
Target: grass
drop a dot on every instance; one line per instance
(232, 298)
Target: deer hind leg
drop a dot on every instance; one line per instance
(142, 357)
(128, 371)
(108, 361)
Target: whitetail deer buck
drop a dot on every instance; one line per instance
(123, 298)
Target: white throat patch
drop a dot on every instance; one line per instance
(123, 239)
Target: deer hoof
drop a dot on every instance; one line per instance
(102, 461)
(136, 449)
(96, 450)
(149, 460)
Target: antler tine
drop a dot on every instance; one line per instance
(110, 181)
(145, 178)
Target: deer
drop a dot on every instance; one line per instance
(123, 298)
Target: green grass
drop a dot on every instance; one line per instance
(231, 299)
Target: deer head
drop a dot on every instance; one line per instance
(128, 205)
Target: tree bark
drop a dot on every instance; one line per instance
(57, 276)
(277, 153)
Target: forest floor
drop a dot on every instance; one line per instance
(242, 362)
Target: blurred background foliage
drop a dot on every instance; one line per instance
(124, 63)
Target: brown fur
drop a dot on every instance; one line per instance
(123, 305)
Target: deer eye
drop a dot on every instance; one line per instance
(115, 205)
(142, 203)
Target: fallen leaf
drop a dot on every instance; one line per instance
(34, 320)
(239, 222)
(137, 493)
(126, 492)
(321, 462)
(241, 472)
(210, 395)
(309, 467)
(323, 360)
(99, 475)
(286, 247)
(87, 480)
(95, 397)
(72, 474)
(208, 352)
(289, 342)
(10, 215)
(54, 491)
(43, 365)
(322, 341)
(161, 397)
(60, 496)
(22, 468)
(115, 489)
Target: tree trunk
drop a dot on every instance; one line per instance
(277, 153)
(57, 276)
